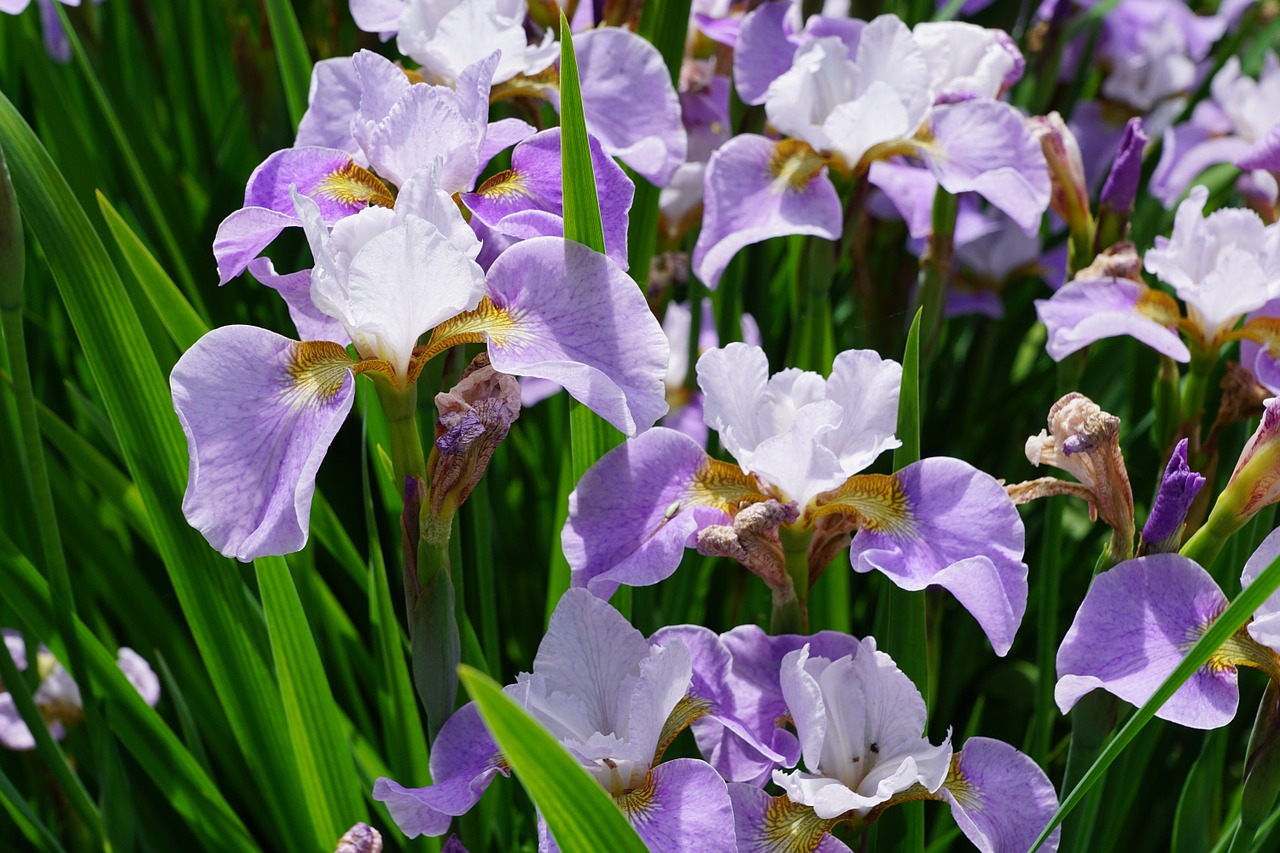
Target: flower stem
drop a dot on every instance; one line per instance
(401, 408)
(791, 606)
(935, 268)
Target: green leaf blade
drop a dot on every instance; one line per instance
(581, 814)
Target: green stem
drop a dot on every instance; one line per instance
(791, 607)
(1194, 390)
(1242, 841)
(935, 268)
(1207, 542)
(1047, 579)
(1092, 720)
(401, 407)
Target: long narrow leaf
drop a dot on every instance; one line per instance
(580, 814)
(291, 53)
(227, 628)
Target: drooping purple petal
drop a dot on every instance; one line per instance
(629, 102)
(1188, 151)
(684, 807)
(511, 229)
(578, 319)
(1083, 312)
(765, 824)
(1264, 153)
(1178, 489)
(17, 648)
(959, 530)
(295, 288)
(259, 411)
(622, 528)
(1258, 358)
(747, 201)
(910, 189)
(984, 146)
(1001, 799)
(464, 760)
(1133, 629)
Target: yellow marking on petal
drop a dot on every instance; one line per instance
(1240, 649)
(721, 485)
(414, 75)
(354, 184)
(527, 86)
(1159, 306)
(794, 164)
(504, 185)
(688, 709)
(877, 501)
(923, 143)
(487, 324)
(318, 369)
(1264, 331)
(793, 827)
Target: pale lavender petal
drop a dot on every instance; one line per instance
(755, 825)
(14, 733)
(1001, 799)
(1265, 627)
(621, 528)
(1258, 358)
(751, 693)
(984, 146)
(244, 235)
(259, 411)
(1187, 152)
(578, 319)
(720, 30)
(630, 103)
(982, 302)
(524, 225)
(295, 288)
(332, 102)
(17, 648)
(960, 531)
(377, 16)
(1178, 489)
(1133, 629)
(464, 760)
(910, 189)
(140, 674)
(1082, 312)
(688, 419)
(763, 52)
(1264, 153)
(684, 808)
(746, 203)
(502, 134)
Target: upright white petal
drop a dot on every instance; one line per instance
(445, 36)
(866, 387)
(965, 59)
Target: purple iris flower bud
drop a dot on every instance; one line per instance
(1121, 186)
(360, 838)
(1163, 530)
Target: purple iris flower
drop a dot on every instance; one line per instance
(57, 697)
(801, 440)
(1222, 267)
(847, 94)
(857, 747)
(1240, 124)
(1137, 623)
(615, 701)
(253, 401)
